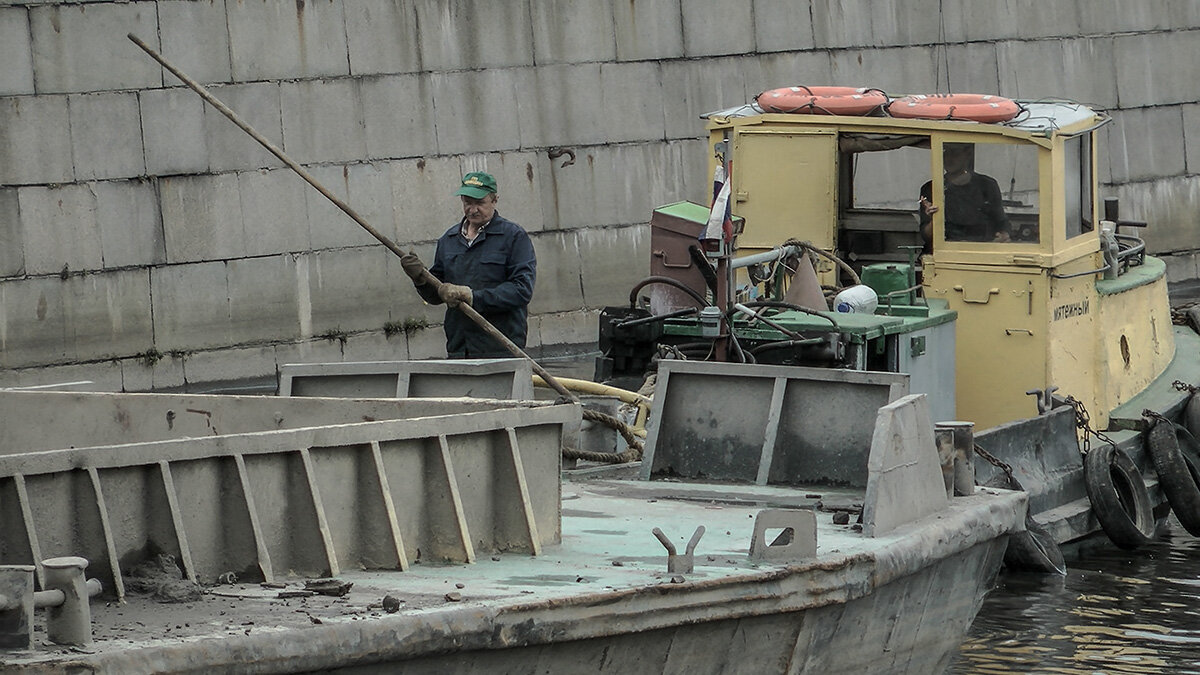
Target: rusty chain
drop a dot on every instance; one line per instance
(999, 464)
(1179, 312)
(1083, 421)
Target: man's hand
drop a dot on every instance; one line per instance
(452, 294)
(413, 267)
(1002, 236)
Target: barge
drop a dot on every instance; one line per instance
(438, 536)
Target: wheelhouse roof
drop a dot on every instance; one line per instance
(1037, 119)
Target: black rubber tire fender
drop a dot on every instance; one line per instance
(1176, 470)
(1034, 550)
(1119, 496)
(1191, 415)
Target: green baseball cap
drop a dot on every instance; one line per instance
(477, 185)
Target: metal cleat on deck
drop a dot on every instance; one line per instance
(797, 539)
(680, 563)
(66, 599)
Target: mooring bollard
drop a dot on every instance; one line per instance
(68, 611)
(16, 606)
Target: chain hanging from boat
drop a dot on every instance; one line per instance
(999, 464)
(1083, 421)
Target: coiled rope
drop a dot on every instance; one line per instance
(632, 454)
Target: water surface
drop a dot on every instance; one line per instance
(1114, 612)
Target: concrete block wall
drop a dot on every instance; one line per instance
(146, 242)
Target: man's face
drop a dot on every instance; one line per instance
(479, 211)
(955, 160)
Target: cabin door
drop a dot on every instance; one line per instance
(1000, 335)
(785, 187)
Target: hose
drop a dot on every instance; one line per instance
(668, 281)
(785, 344)
(787, 305)
(623, 395)
(742, 355)
(820, 251)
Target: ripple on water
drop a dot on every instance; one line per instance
(1114, 612)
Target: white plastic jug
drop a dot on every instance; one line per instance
(858, 299)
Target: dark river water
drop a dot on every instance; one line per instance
(1114, 612)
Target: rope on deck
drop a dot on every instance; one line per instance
(633, 454)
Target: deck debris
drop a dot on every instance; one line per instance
(161, 578)
(391, 604)
(334, 587)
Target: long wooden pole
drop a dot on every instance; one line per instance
(391, 245)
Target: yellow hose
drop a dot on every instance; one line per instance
(597, 389)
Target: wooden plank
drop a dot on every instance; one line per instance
(264, 557)
(523, 489)
(322, 523)
(774, 412)
(30, 531)
(456, 498)
(185, 551)
(389, 506)
(109, 543)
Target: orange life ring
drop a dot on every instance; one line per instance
(821, 100)
(971, 107)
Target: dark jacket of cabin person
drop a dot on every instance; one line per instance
(973, 201)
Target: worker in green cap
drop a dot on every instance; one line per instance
(486, 261)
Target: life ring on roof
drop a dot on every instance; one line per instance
(821, 100)
(971, 107)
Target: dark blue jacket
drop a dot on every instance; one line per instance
(500, 269)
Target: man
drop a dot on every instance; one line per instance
(974, 203)
(485, 261)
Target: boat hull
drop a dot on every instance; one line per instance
(911, 624)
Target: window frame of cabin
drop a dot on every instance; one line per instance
(1078, 196)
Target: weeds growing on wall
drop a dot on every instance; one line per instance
(335, 334)
(408, 326)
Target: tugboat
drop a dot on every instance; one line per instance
(1010, 292)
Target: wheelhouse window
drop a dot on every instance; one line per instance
(988, 193)
(1077, 176)
(877, 197)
